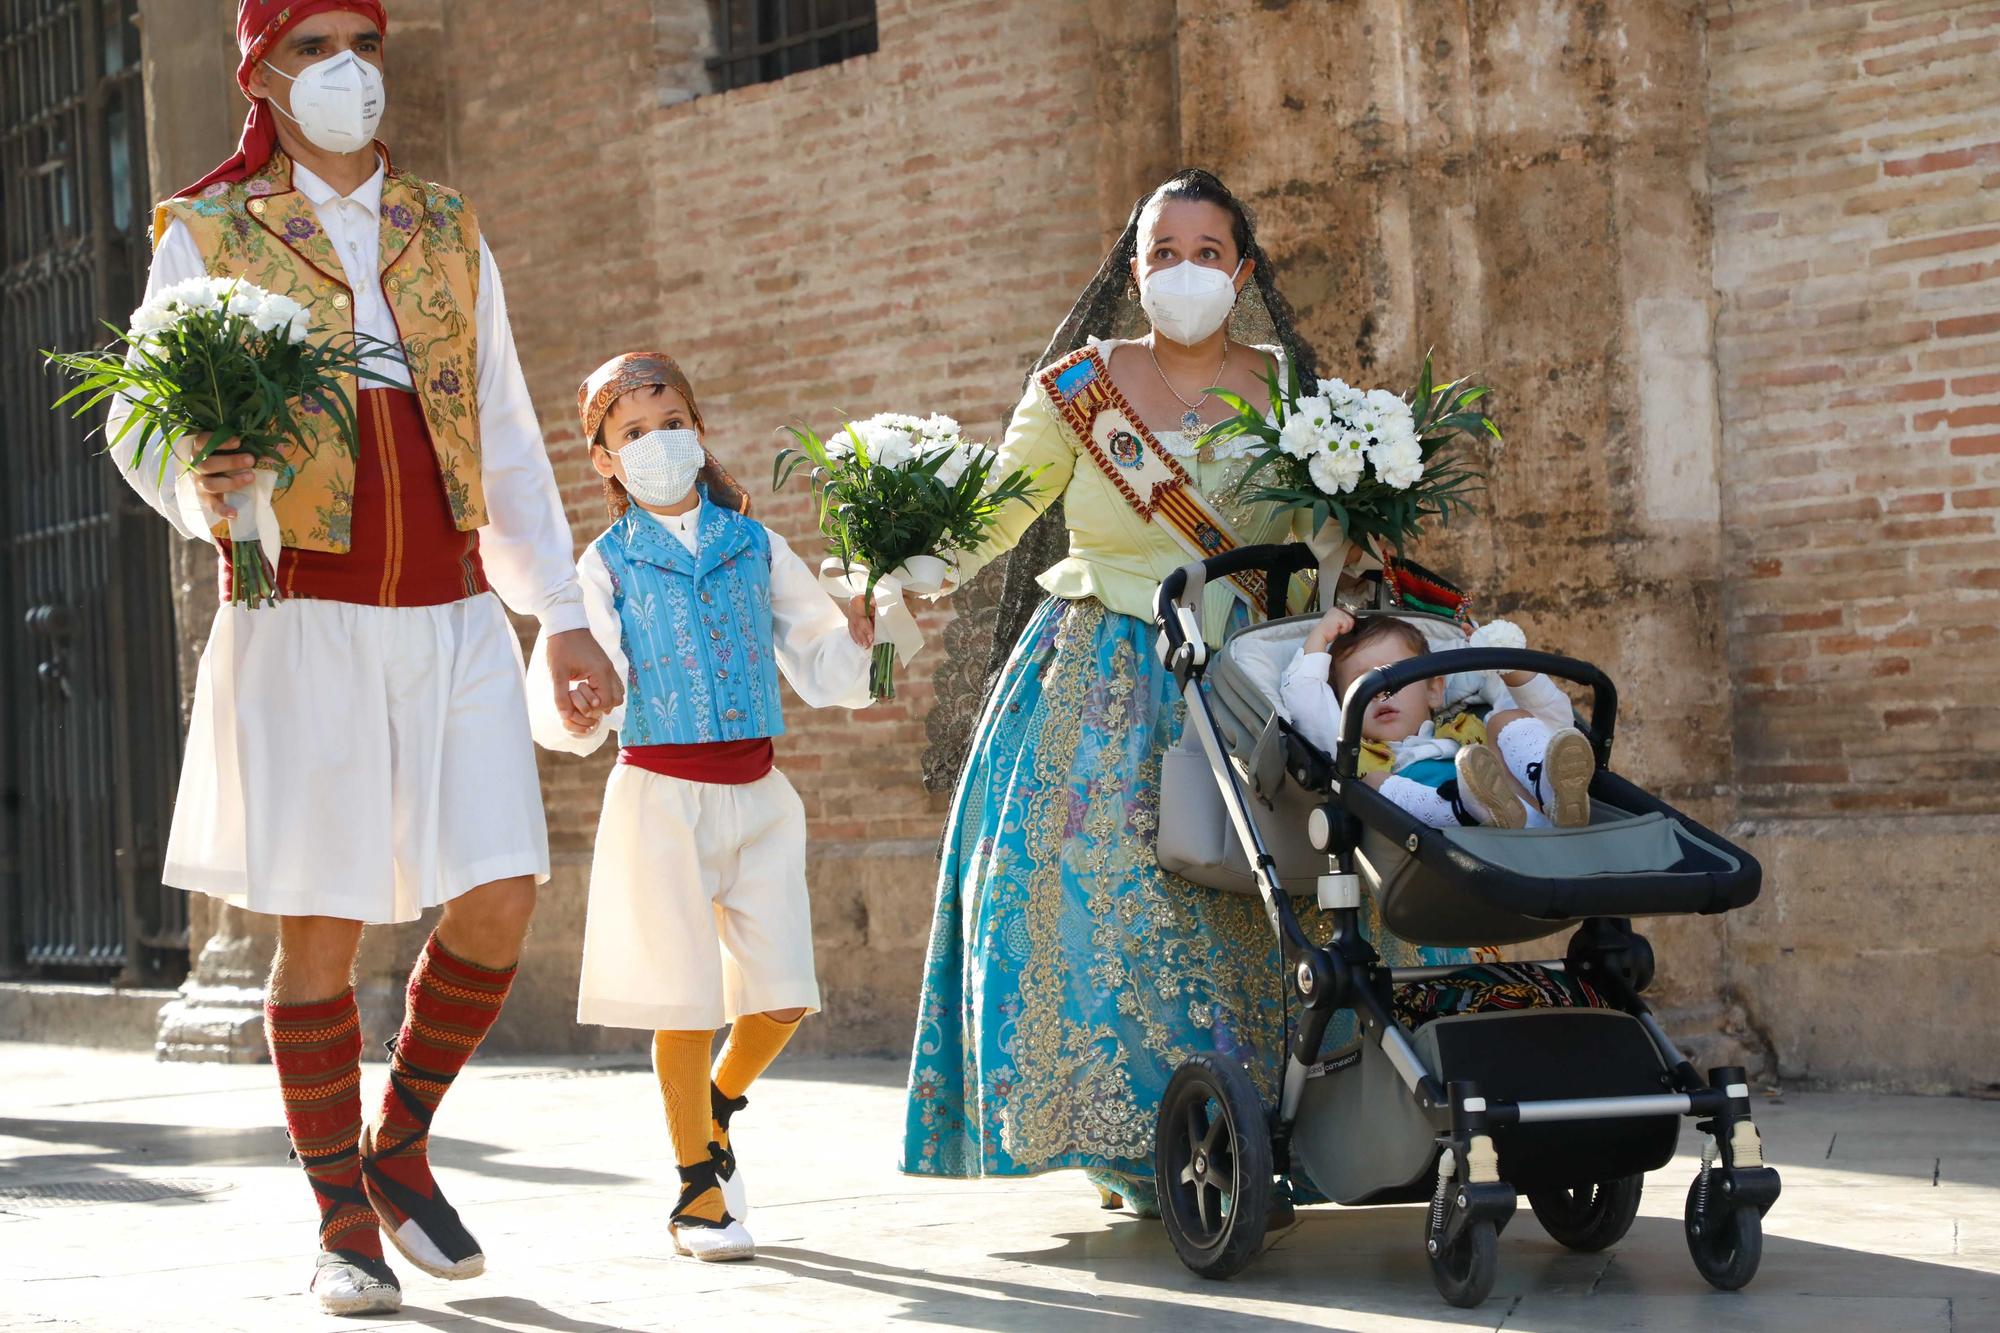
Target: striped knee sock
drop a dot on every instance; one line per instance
(317, 1050)
(452, 1005)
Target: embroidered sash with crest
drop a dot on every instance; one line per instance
(1152, 481)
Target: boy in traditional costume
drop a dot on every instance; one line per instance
(698, 908)
(360, 751)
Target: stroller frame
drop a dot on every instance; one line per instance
(1471, 1204)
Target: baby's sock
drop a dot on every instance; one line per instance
(680, 1062)
(1426, 803)
(1524, 746)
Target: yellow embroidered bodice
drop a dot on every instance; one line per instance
(1115, 554)
(264, 231)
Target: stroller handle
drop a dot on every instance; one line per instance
(1389, 679)
(1278, 560)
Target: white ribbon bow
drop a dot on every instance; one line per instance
(258, 521)
(925, 575)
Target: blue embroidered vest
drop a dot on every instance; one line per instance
(696, 628)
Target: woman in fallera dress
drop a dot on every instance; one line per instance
(1068, 976)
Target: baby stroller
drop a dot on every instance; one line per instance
(1570, 1101)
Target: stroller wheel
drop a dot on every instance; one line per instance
(1590, 1218)
(1464, 1272)
(1212, 1162)
(1727, 1242)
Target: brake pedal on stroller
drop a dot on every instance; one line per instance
(1440, 1098)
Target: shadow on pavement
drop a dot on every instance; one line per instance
(956, 1300)
(1384, 1246)
(517, 1312)
(102, 1145)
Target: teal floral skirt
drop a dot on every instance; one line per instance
(1068, 975)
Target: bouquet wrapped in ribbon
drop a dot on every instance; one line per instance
(230, 361)
(900, 497)
(1371, 466)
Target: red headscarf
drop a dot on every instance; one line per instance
(259, 26)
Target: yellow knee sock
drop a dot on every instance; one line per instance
(680, 1062)
(754, 1042)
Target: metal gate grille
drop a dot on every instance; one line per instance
(88, 725)
(762, 40)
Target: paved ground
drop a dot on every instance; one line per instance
(1890, 1221)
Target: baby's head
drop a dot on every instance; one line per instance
(1379, 641)
(644, 397)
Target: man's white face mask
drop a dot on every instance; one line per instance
(337, 104)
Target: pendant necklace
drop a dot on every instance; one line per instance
(1191, 422)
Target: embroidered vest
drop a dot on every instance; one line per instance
(265, 232)
(697, 629)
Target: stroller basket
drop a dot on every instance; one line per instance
(1455, 886)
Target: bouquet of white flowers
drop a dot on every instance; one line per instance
(1375, 463)
(900, 497)
(229, 360)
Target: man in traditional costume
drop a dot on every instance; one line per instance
(360, 751)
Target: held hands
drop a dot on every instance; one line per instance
(587, 689)
(1331, 626)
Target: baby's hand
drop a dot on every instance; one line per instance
(1331, 626)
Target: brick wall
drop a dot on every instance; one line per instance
(897, 232)
(1856, 164)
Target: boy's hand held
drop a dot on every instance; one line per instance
(586, 686)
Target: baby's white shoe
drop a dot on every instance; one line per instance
(714, 1244)
(1485, 791)
(1563, 785)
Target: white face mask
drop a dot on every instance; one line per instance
(660, 466)
(1189, 301)
(337, 104)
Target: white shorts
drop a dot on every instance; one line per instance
(361, 762)
(698, 905)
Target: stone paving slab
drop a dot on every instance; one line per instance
(1890, 1221)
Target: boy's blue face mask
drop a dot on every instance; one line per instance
(660, 466)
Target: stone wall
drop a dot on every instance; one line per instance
(1856, 174)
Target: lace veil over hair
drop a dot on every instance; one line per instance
(995, 607)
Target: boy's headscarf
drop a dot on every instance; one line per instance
(260, 26)
(645, 370)
(620, 376)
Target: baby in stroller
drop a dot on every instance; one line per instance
(1524, 766)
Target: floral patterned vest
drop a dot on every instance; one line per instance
(697, 629)
(262, 230)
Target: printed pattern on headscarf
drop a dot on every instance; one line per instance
(647, 370)
(260, 25)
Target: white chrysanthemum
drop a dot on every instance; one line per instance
(938, 426)
(1400, 464)
(1309, 428)
(148, 320)
(1381, 414)
(275, 312)
(953, 469)
(245, 300)
(300, 327)
(1338, 470)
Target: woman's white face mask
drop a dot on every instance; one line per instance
(1188, 302)
(660, 466)
(337, 104)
